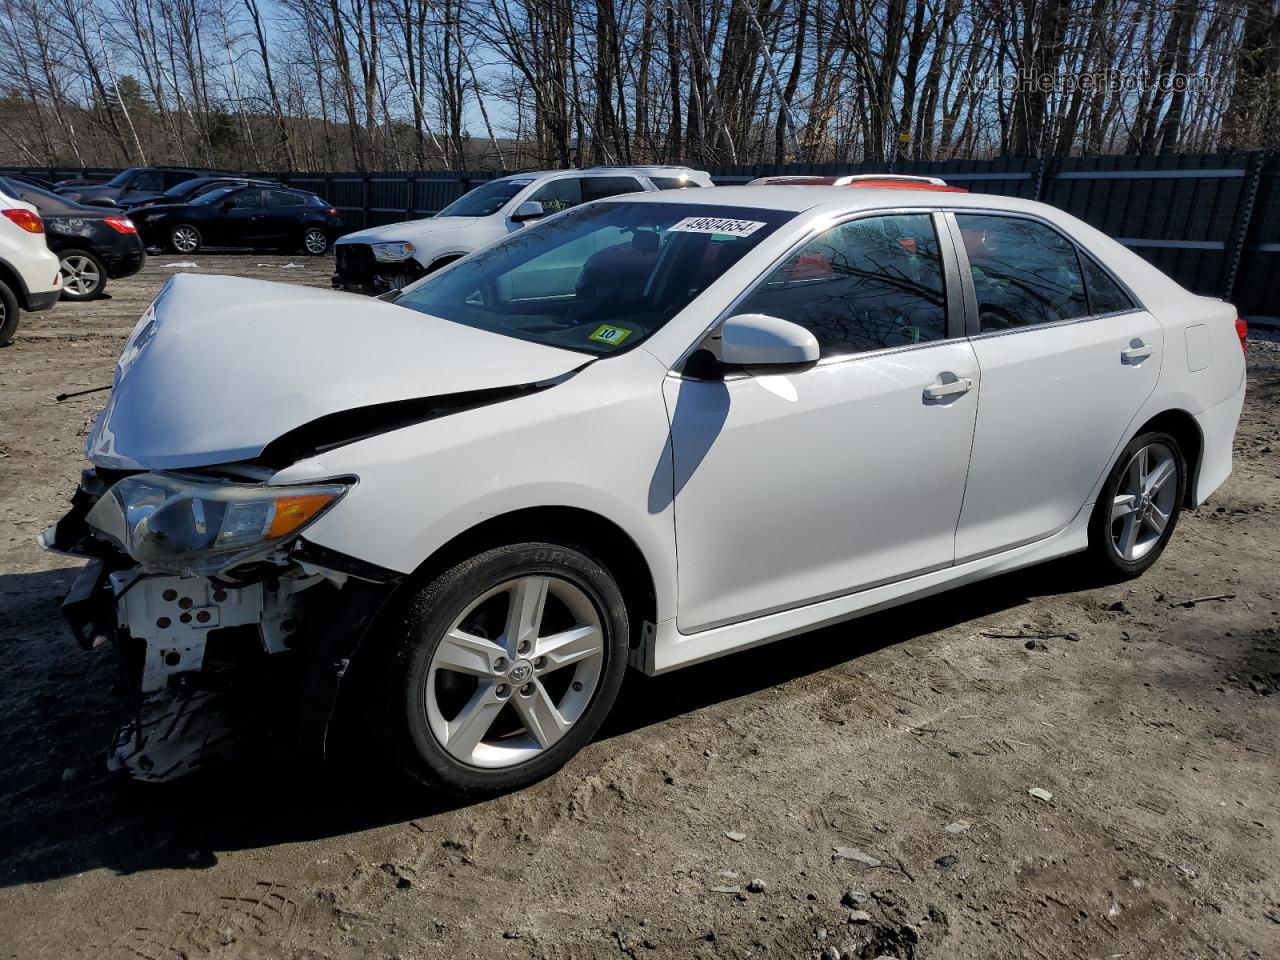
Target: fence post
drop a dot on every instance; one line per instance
(1240, 230)
(1041, 167)
(409, 179)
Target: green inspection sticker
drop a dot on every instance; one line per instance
(610, 335)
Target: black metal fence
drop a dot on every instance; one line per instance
(1211, 221)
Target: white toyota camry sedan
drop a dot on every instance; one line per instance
(645, 432)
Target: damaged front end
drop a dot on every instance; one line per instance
(216, 606)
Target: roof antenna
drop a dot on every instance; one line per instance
(80, 393)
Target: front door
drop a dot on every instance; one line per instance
(1067, 357)
(798, 485)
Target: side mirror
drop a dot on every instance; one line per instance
(757, 340)
(529, 210)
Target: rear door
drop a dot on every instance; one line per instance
(283, 216)
(1068, 357)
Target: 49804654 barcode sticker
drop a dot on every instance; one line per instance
(723, 225)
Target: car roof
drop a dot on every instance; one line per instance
(837, 200)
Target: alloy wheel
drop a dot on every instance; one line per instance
(185, 239)
(515, 671)
(316, 241)
(1144, 501)
(80, 275)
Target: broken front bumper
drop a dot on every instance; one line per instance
(206, 662)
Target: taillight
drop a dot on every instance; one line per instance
(1242, 331)
(27, 220)
(333, 211)
(120, 224)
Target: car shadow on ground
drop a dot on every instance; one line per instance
(56, 704)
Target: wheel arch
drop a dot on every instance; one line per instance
(443, 261)
(13, 280)
(1182, 426)
(601, 537)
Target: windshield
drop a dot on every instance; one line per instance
(213, 196)
(486, 200)
(186, 187)
(121, 178)
(597, 278)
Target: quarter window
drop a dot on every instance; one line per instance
(1024, 273)
(559, 194)
(1105, 295)
(867, 284)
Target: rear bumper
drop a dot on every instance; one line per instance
(42, 300)
(125, 263)
(1218, 431)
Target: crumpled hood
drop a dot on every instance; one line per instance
(410, 229)
(218, 367)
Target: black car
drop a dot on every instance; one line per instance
(189, 190)
(261, 217)
(136, 183)
(93, 244)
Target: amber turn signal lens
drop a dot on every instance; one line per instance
(293, 512)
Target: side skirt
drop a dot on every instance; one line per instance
(665, 648)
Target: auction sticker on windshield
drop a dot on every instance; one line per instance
(610, 335)
(722, 225)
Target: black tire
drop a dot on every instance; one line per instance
(177, 242)
(86, 265)
(9, 315)
(309, 242)
(433, 610)
(1105, 554)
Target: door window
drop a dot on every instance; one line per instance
(1105, 295)
(559, 194)
(1024, 273)
(281, 199)
(867, 284)
(594, 188)
(147, 180)
(246, 200)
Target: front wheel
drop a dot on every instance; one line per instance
(84, 276)
(184, 238)
(315, 241)
(504, 667)
(1139, 506)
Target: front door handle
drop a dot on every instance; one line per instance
(1136, 352)
(943, 387)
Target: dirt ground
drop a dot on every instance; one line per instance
(874, 777)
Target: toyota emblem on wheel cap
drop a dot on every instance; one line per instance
(521, 671)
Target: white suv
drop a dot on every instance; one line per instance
(29, 274)
(386, 258)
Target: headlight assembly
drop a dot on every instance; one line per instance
(195, 526)
(393, 251)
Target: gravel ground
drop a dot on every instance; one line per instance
(875, 778)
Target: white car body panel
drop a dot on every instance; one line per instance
(228, 400)
(799, 531)
(737, 527)
(27, 253)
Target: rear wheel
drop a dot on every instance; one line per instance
(315, 241)
(9, 315)
(1139, 506)
(506, 665)
(84, 276)
(184, 238)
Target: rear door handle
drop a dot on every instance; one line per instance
(941, 389)
(1136, 352)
